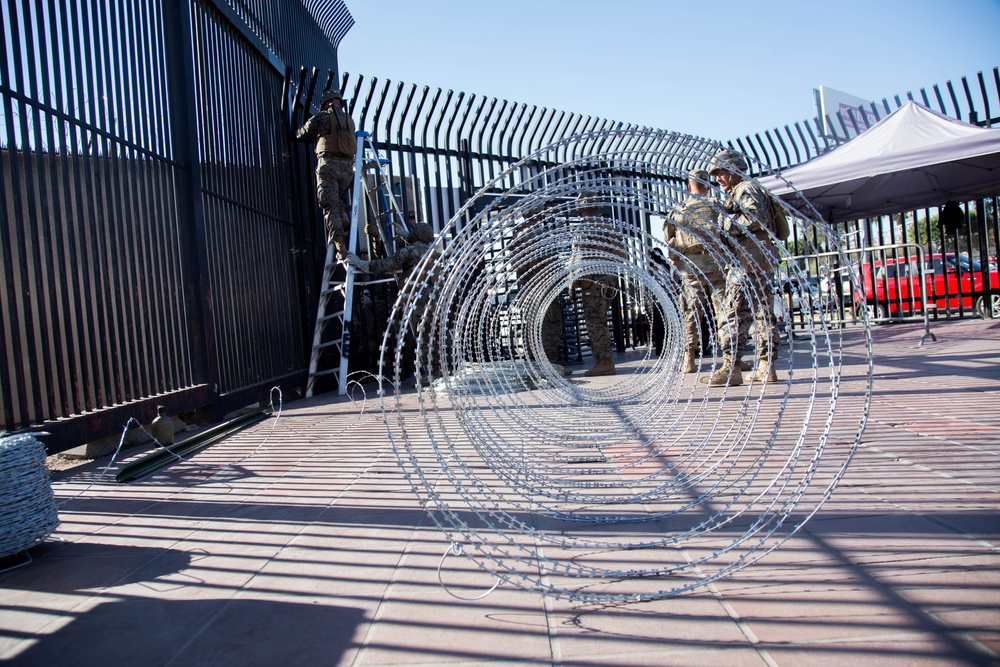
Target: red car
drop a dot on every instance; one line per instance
(893, 286)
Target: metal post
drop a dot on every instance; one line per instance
(192, 238)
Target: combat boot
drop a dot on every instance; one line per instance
(688, 364)
(726, 376)
(602, 366)
(765, 372)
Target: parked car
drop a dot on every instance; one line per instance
(893, 287)
(836, 286)
(798, 296)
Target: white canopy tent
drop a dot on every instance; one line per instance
(912, 158)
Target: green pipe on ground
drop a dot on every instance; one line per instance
(165, 455)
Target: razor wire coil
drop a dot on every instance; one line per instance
(639, 486)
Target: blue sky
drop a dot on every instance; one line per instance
(717, 69)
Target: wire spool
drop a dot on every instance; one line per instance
(635, 487)
(27, 507)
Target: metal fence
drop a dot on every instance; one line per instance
(151, 253)
(791, 144)
(961, 280)
(160, 238)
(443, 146)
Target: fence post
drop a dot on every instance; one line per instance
(177, 27)
(983, 232)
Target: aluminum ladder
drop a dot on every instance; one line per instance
(388, 219)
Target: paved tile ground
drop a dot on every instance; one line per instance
(298, 541)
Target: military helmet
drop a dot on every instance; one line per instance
(422, 232)
(698, 175)
(728, 160)
(330, 95)
(587, 199)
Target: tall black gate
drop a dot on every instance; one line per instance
(150, 250)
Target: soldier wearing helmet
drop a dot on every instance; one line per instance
(334, 132)
(595, 291)
(691, 231)
(530, 255)
(418, 241)
(332, 95)
(745, 221)
(420, 232)
(728, 160)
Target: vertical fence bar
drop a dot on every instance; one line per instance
(177, 28)
(986, 101)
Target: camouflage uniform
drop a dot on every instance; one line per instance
(404, 261)
(552, 329)
(746, 209)
(595, 313)
(526, 233)
(704, 281)
(596, 288)
(334, 166)
(593, 289)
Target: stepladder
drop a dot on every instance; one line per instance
(374, 209)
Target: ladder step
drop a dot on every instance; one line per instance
(323, 346)
(330, 371)
(327, 318)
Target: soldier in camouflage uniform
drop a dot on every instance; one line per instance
(405, 260)
(691, 231)
(746, 215)
(596, 300)
(530, 231)
(334, 132)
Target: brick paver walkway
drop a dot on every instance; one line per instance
(315, 551)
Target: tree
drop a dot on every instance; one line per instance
(916, 231)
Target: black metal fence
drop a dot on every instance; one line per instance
(151, 253)
(159, 238)
(791, 144)
(444, 146)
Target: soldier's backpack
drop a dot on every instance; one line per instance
(342, 140)
(779, 221)
(346, 141)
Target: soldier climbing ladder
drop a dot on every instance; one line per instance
(387, 222)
